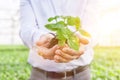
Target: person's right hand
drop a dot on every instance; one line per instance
(67, 54)
(42, 47)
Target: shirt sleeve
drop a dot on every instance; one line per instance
(29, 31)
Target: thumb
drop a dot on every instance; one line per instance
(44, 39)
(82, 39)
(41, 41)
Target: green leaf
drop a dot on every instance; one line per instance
(73, 43)
(56, 17)
(51, 19)
(84, 33)
(61, 42)
(60, 37)
(74, 21)
(56, 26)
(61, 24)
(52, 27)
(66, 32)
(70, 21)
(77, 23)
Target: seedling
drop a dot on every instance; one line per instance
(60, 26)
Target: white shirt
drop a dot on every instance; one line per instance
(34, 15)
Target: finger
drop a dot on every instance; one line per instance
(42, 51)
(54, 48)
(41, 41)
(50, 52)
(59, 59)
(46, 44)
(72, 52)
(82, 39)
(64, 55)
(46, 53)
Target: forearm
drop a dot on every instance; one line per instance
(29, 31)
(30, 35)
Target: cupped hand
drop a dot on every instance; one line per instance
(67, 54)
(42, 47)
(47, 53)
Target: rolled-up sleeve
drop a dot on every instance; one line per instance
(29, 31)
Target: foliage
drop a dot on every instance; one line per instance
(14, 66)
(106, 63)
(13, 63)
(60, 24)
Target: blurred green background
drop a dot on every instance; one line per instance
(105, 31)
(14, 66)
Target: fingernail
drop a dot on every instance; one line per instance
(58, 52)
(64, 49)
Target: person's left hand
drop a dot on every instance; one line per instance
(67, 54)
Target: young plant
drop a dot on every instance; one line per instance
(60, 25)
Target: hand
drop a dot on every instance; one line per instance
(67, 54)
(44, 40)
(42, 47)
(47, 53)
